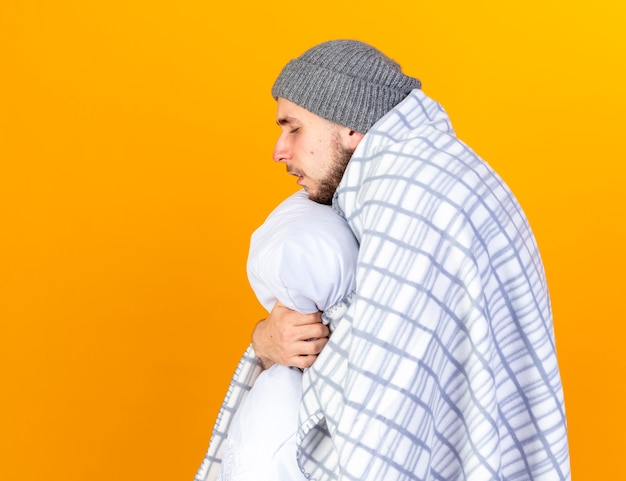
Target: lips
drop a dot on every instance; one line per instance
(296, 174)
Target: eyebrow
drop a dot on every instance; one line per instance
(286, 120)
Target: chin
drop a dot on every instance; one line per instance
(326, 200)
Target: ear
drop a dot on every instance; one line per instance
(352, 138)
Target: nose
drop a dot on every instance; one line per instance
(281, 151)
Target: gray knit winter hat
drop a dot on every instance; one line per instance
(345, 81)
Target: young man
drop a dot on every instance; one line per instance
(444, 366)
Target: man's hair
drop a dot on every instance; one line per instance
(345, 81)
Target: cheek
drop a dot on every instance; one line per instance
(319, 146)
(309, 149)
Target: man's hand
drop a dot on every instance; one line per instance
(289, 337)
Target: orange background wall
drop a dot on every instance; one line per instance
(135, 161)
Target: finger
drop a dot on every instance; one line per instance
(312, 331)
(311, 347)
(303, 362)
(295, 318)
(298, 319)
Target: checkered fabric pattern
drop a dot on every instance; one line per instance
(247, 371)
(444, 366)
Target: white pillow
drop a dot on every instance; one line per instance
(303, 255)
